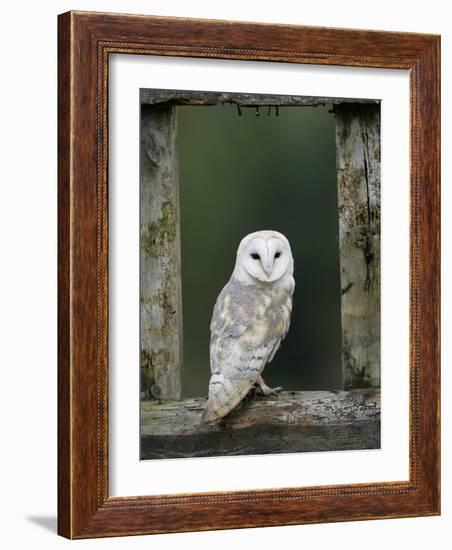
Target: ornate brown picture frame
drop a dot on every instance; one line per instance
(86, 40)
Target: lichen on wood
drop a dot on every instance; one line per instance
(160, 286)
(358, 176)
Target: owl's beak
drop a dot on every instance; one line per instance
(268, 261)
(268, 267)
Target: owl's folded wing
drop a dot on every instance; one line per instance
(237, 356)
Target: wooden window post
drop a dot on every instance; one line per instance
(358, 178)
(160, 280)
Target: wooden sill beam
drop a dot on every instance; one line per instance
(295, 422)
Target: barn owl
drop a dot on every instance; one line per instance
(250, 318)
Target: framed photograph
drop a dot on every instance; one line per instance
(248, 275)
(232, 163)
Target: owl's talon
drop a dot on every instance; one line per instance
(273, 391)
(267, 391)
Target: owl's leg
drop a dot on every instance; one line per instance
(265, 389)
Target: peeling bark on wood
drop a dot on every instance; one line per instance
(160, 283)
(195, 97)
(358, 175)
(297, 421)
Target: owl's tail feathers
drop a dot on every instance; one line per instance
(209, 416)
(224, 398)
(212, 412)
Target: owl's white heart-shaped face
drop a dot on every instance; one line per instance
(265, 256)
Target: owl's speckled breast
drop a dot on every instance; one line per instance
(265, 308)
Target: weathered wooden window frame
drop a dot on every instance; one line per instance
(320, 420)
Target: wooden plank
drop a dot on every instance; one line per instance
(296, 421)
(201, 97)
(160, 281)
(358, 175)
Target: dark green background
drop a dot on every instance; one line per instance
(240, 174)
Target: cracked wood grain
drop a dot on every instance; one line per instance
(160, 281)
(358, 177)
(297, 421)
(202, 97)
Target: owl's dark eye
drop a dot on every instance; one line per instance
(278, 254)
(255, 256)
